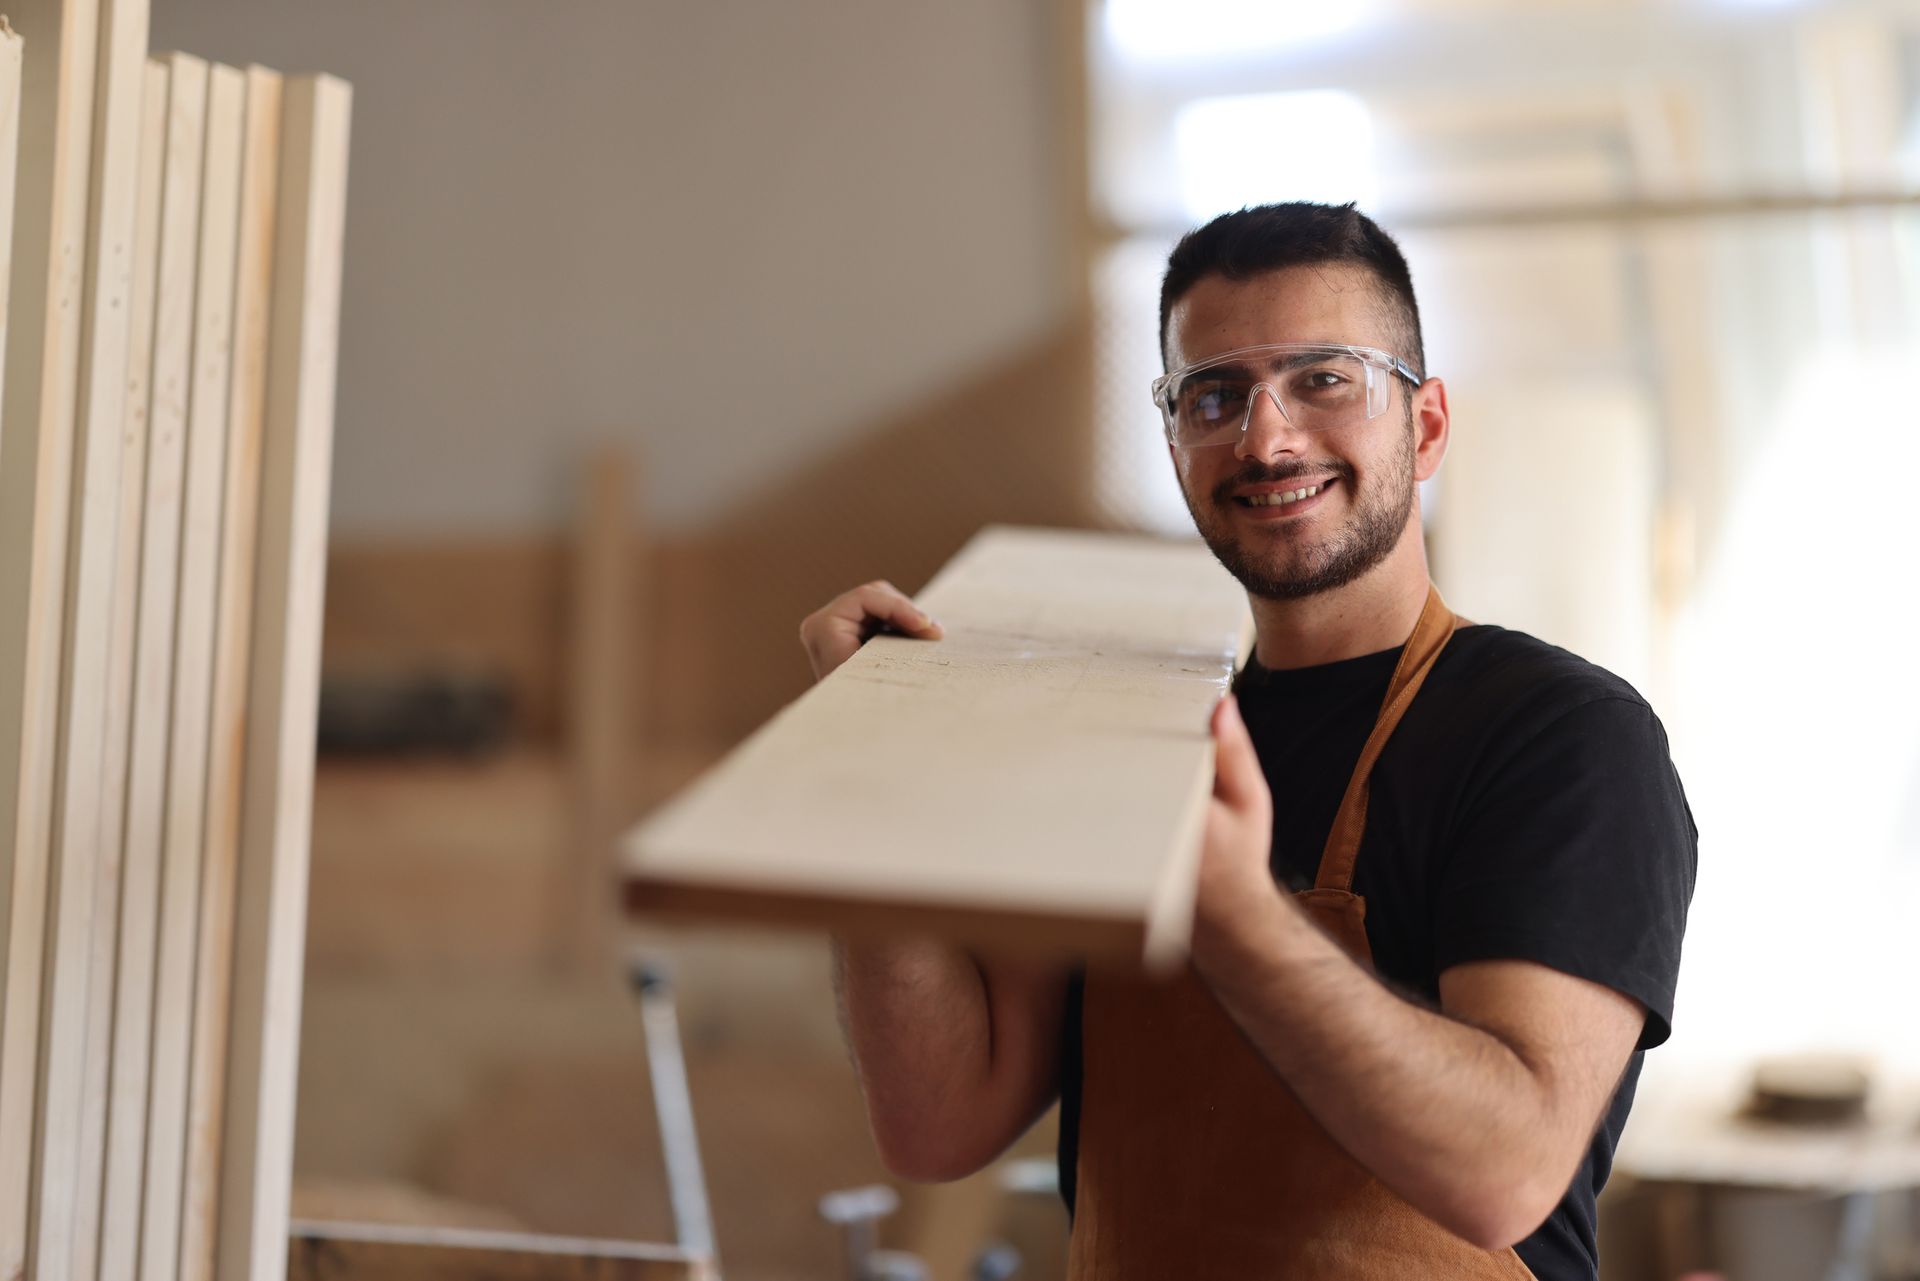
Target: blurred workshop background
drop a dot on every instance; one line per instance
(664, 322)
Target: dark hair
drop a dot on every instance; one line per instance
(1263, 238)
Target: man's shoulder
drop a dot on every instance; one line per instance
(1521, 681)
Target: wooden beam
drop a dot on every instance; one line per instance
(233, 639)
(366, 1252)
(184, 117)
(55, 138)
(91, 591)
(283, 702)
(190, 714)
(602, 659)
(1036, 780)
(110, 866)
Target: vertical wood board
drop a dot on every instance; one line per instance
(602, 658)
(36, 471)
(283, 701)
(233, 635)
(92, 551)
(185, 82)
(1037, 779)
(190, 711)
(110, 864)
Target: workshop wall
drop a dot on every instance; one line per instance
(731, 235)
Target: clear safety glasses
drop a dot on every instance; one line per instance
(1315, 386)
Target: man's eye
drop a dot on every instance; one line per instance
(1215, 400)
(1320, 382)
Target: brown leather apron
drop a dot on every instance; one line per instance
(1196, 1162)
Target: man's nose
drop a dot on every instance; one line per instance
(1267, 432)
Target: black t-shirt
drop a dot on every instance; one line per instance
(1525, 808)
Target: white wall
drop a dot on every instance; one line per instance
(734, 232)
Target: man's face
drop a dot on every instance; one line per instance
(1365, 473)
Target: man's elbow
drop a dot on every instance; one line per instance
(920, 1155)
(1502, 1213)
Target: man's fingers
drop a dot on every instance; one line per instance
(882, 604)
(1237, 781)
(833, 632)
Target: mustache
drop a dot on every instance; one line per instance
(1259, 474)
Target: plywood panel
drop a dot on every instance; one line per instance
(91, 591)
(110, 867)
(233, 641)
(190, 719)
(256, 1174)
(1035, 780)
(36, 468)
(182, 112)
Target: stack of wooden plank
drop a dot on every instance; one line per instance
(165, 437)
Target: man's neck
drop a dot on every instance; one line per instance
(1374, 612)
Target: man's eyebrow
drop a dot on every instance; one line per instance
(1242, 367)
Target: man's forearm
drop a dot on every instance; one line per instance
(916, 1018)
(1445, 1114)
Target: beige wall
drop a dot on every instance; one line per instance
(735, 233)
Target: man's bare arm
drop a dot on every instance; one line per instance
(956, 1056)
(1477, 1113)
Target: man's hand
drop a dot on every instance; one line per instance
(1237, 891)
(831, 633)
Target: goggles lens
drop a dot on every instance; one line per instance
(1315, 388)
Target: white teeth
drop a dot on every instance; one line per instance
(1282, 499)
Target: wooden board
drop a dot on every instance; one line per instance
(36, 468)
(182, 113)
(233, 639)
(190, 720)
(367, 1252)
(110, 866)
(1034, 781)
(283, 701)
(91, 592)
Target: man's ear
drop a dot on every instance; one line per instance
(1432, 427)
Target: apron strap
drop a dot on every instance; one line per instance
(1430, 635)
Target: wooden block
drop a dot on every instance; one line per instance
(256, 1176)
(110, 867)
(1035, 781)
(367, 1252)
(183, 112)
(233, 639)
(49, 209)
(99, 435)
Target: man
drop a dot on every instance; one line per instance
(1445, 872)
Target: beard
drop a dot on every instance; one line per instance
(1282, 565)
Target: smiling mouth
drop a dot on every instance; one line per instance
(1283, 498)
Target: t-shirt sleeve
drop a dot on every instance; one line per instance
(1576, 850)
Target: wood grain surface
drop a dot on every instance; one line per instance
(1034, 781)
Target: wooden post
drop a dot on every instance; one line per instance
(233, 638)
(185, 116)
(189, 717)
(600, 697)
(283, 702)
(36, 470)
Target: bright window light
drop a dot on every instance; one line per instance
(1173, 31)
(1267, 147)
